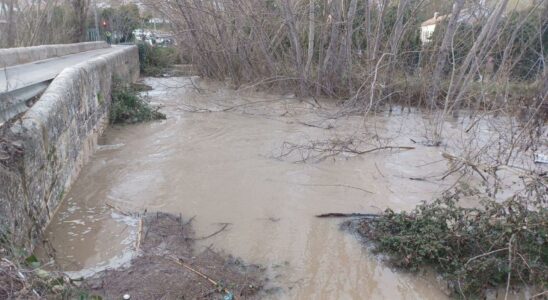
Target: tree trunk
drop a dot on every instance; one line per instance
(311, 29)
(321, 52)
(335, 19)
(294, 40)
(395, 40)
(10, 41)
(504, 64)
(367, 25)
(80, 17)
(443, 52)
(378, 31)
(348, 45)
(486, 33)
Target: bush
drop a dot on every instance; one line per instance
(155, 60)
(472, 248)
(128, 107)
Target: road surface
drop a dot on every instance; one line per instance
(25, 75)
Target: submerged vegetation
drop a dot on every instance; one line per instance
(474, 249)
(130, 107)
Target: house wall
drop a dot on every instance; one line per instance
(427, 32)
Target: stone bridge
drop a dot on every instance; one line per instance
(54, 104)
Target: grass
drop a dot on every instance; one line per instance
(474, 249)
(129, 107)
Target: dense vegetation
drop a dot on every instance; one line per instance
(130, 107)
(369, 53)
(156, 61)
(474, 249)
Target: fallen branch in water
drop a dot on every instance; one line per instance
(338, 185)
(351, 215)
(119, 210)
(225, 225)
(329, 126)
(459, 162)
(385, 148)
(317, 151)
(190, 221)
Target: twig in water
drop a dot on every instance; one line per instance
(385, 148)
(430, 163)
(339, 185)
(329, 126)
(351, 215)
(117, 209)
(417, 179)
(225, 225)
(190, 221)
(377, 167)
(317, 151)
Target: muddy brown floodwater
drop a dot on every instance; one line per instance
(224, 167)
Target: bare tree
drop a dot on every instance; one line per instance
(311, 30)
(295, 43)
(443, 52)
(80, 8)
(364, 52)
(10, 36)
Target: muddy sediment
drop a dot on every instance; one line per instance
(167, 267)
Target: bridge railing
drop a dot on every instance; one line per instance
(17, 56)
(15, 100)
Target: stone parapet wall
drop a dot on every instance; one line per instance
(17, 56)
(56, 136)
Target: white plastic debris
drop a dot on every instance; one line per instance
(541, 158)
(127, 297)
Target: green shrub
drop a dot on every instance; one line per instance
(155, 60)
(128, 107)
(472, 248)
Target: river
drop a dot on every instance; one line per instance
(224, 166)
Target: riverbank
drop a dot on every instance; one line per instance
(164, 266)
(167, 267)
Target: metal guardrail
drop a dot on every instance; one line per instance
(20, 84)
(17, 101)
